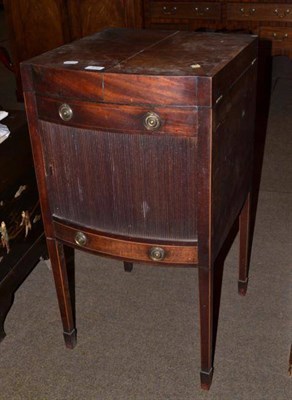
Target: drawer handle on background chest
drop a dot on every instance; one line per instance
(280, 38)
(156, 253)
(65, 112)
(152, 121)
(201, 11)
(169, 10)
(80, 239)
(247, 13)
(282, 14)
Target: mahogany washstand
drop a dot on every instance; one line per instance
(142, 144)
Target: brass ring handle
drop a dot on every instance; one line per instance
(280, 38)
(156, 253)
(80, 239)
(169, 10)
(201, 11)
(247, 13)
(152, 121)
(65, 112)
(280, 13)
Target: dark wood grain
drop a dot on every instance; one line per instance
(66, 306)
(256, 11)
(156, 175)
(131, 250)
(232, 155)
(175, 121)
(244, 246)
(90, 16)
(36, 27)
(37, 152)
(206, 320)
(185, 10)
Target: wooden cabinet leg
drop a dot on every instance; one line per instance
(206, 325)
(244, 246)
(128, 266)
(64, 292)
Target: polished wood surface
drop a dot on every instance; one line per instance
(181, 254)
(176, 122)
(272, 21)
(147, 156)
(35, 27)
(89, 16)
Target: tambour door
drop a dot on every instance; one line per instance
(128, 182)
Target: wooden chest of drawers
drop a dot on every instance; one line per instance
(142, 144)
(272, 21)
(186, 10)
(259, 12)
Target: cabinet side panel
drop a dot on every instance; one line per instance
(128, 184)
(232, 155)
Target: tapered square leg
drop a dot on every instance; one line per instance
(70, 339)
(206, 379)
(64, 292)
(244, 246)
(206, 325)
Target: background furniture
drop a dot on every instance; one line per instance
(143, 152)
(5, 58)
(38, 26)
(43, 25)
(272, 21)
(17, 171)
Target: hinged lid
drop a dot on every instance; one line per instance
(124, 65)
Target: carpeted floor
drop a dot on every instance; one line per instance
(138, 333)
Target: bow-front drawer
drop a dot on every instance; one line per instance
(279, 12)
(190, 10)
(180, 121)
(125, 249)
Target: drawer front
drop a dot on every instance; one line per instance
(124, 249)
(259, 12)
(110, 88)
(191, 10)
(281, 38)
(180, 121)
